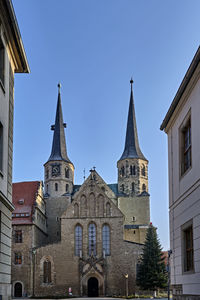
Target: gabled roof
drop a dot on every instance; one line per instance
(183, 86)
(15, 39)
(132, 148)
(59, 150)
(24, 196)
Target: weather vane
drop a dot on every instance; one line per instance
(59, 87)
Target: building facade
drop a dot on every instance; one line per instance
(12, 60)
(181, 124)
(94, 231)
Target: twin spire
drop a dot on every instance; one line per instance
(59, 150)
(132, 148)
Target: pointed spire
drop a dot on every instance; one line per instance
(132, 148)
(59, 150)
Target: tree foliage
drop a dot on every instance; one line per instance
(151, 269)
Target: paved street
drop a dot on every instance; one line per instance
(90, 298)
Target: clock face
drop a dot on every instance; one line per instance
(55, 170)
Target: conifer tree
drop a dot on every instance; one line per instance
(152, 273)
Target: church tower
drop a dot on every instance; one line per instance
(132, 166)
(59, 170)
(133, 181)
(59, 177)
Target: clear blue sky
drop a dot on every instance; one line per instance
(93, 48)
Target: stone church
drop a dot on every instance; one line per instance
(80, 239)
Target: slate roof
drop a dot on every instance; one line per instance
(59, 149)
(24, 196)
(132, 148)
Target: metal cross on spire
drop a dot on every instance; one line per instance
(131, 82)
(59, 87)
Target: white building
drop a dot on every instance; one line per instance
(12, 60)
(182, 125)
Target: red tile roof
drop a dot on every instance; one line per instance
(24, 195)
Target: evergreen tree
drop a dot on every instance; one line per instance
(151, 269)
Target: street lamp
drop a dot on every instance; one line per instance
(126, 280)
(168, 270)
(33, 261)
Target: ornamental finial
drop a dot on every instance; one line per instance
(131, 82)
(59, 87)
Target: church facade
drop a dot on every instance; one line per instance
(86, 239)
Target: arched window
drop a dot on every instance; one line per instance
(122, 187)
(122, 171)
(106, 239)
(47, 271)
(76, 210)
(131, 170)
(92, 205)
(56, 187)
(47, 188)
(133, 187)
(108, 210)
(143, 170)
(134, 170)
(67, 187)
(92, 239)
(144, 187)
(78, 240)
(66, 173)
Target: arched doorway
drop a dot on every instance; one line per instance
(18, 290)
(93, 287)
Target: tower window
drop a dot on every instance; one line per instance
(47, 188)
(66, 173)
(143, 171)
(144, 187)
(56, 187)
(122, 171)
(122, 187)
(67, 188)
(132, 170)
(133, 187)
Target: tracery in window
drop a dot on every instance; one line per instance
(78, 240)
(92, 239)
(106, 239)
(47, 271)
